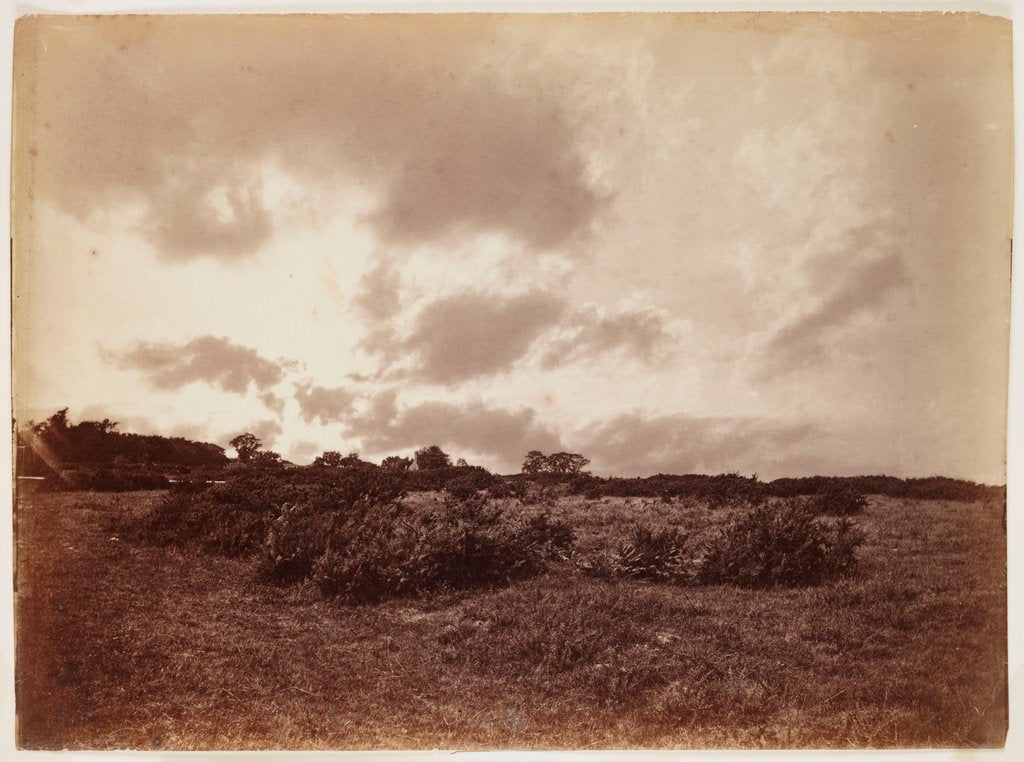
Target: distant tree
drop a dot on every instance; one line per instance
(265, 458)
(461, 463)
(246, 445)
(56, 422)
(396, 463)
(566, 463)
(534, 463)
(330, 459)
(352, 459)
(432, 458)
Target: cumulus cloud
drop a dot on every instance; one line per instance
(212, 359)
(635, 444)
(475, 334)
(503, 435)
(415, 112)
(592, 331)
(273, 403)
(378, 295)
(327, 405)
(303, 451)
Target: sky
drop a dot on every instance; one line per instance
(772, 244)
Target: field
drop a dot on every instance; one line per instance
(122, 644)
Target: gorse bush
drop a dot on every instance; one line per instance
(839, 499)
(464, 543)
(658, 555)
(786, 545)
(107, 479)
(469, 480)
(235, 517)
(352, 535)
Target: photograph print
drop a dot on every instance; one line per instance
(511, 381)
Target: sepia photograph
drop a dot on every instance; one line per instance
(511, 381)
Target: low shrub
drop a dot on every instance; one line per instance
(107, 479)
(509, 489)
(469, 480)
(466, 543)
(839, 499)
(657, 555)
(787, 545)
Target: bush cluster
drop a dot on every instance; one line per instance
(350, 533)
(786, 545)
(106, 479)
(657, 555)
(466, 543)
(839, 498)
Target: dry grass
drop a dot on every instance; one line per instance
(122, 645)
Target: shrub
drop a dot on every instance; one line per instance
(506, 488)
(785, 545)
(466, 543)
(107, 479)
(657, 555)
(468, 480)
(839, 499)
(235, 517)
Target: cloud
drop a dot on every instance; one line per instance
(378, 295)
(327, 405)
(637, 332)
(809, 336)
(635, 444)
(303, 451)
(214, 360)
(273, 403)
(444, 122)
(267, 431)
(505, 436)
(459, 337)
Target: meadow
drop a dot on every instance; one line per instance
(128, 643)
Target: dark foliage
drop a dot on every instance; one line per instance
(106, 479)
(348, 531)
(658, 555)
(929, 488)
(785, 545)
(469, 480)
(432, 458)
(838, 498)
(57, 444)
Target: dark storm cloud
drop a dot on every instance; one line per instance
(637, 445)
(414, 111)
(212, 359)
(637, 332)
(502, 434)
(327, 405)
(476, 334)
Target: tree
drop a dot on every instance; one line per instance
(265, 458)
(432, 458)
(534, 463)
(461, 463)
(396, 463)
(330, 459)
(246, 445)
(566, 463)
(56, 422)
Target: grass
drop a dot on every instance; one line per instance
(122, 645)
